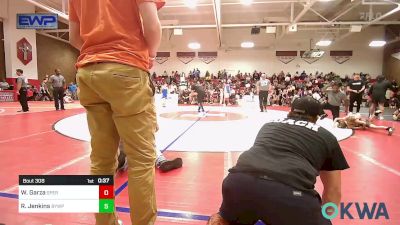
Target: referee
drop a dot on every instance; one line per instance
(22, 90)
(335, 98)
(263, 86)
(59, 86)
(274, 180)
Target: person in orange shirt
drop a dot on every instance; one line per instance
(118, 41)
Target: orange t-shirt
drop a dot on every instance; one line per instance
(111, 31)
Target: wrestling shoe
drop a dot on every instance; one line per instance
(168, 165)
(390, 131)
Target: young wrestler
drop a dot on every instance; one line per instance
(355, 122)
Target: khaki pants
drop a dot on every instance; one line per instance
(119, 101)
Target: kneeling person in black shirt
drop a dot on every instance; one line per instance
(274, 180)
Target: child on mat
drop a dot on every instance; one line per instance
(67, 97)
(355, 122)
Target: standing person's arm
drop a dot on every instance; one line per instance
(74, 28)
(19, 85)
(371, 89)
(346, 102)
(332, 186)
(269, 86)
(391, 86)
(151, 28)
(330, 171)
(362, 88)
(349, 89)
(64, 83)
(74, 35)
(258, 87)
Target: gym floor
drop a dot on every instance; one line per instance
(44, 141)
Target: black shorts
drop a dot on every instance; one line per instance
(200, 98)
(248, 198)
(378, 99)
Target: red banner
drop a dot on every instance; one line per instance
(24, 51)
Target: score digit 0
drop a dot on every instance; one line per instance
(106, 192)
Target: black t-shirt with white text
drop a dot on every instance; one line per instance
(292, 152)
(356, 85)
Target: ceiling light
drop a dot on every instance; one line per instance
(191, 3)
(324, 43)
(178, 31)
(247, 44)
(377, 43)
(355, 28)
(270, 30)
(194, 45)
(246, 2)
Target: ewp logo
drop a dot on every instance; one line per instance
(376, 211)
(37, 21)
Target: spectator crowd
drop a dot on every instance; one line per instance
(285, 87)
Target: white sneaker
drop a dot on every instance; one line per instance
(377, 112)
(381, 118)
(120, 222)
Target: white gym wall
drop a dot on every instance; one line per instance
(262, 57)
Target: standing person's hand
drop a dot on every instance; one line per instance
(151, 62)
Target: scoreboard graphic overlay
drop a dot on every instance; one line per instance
(66, 194)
